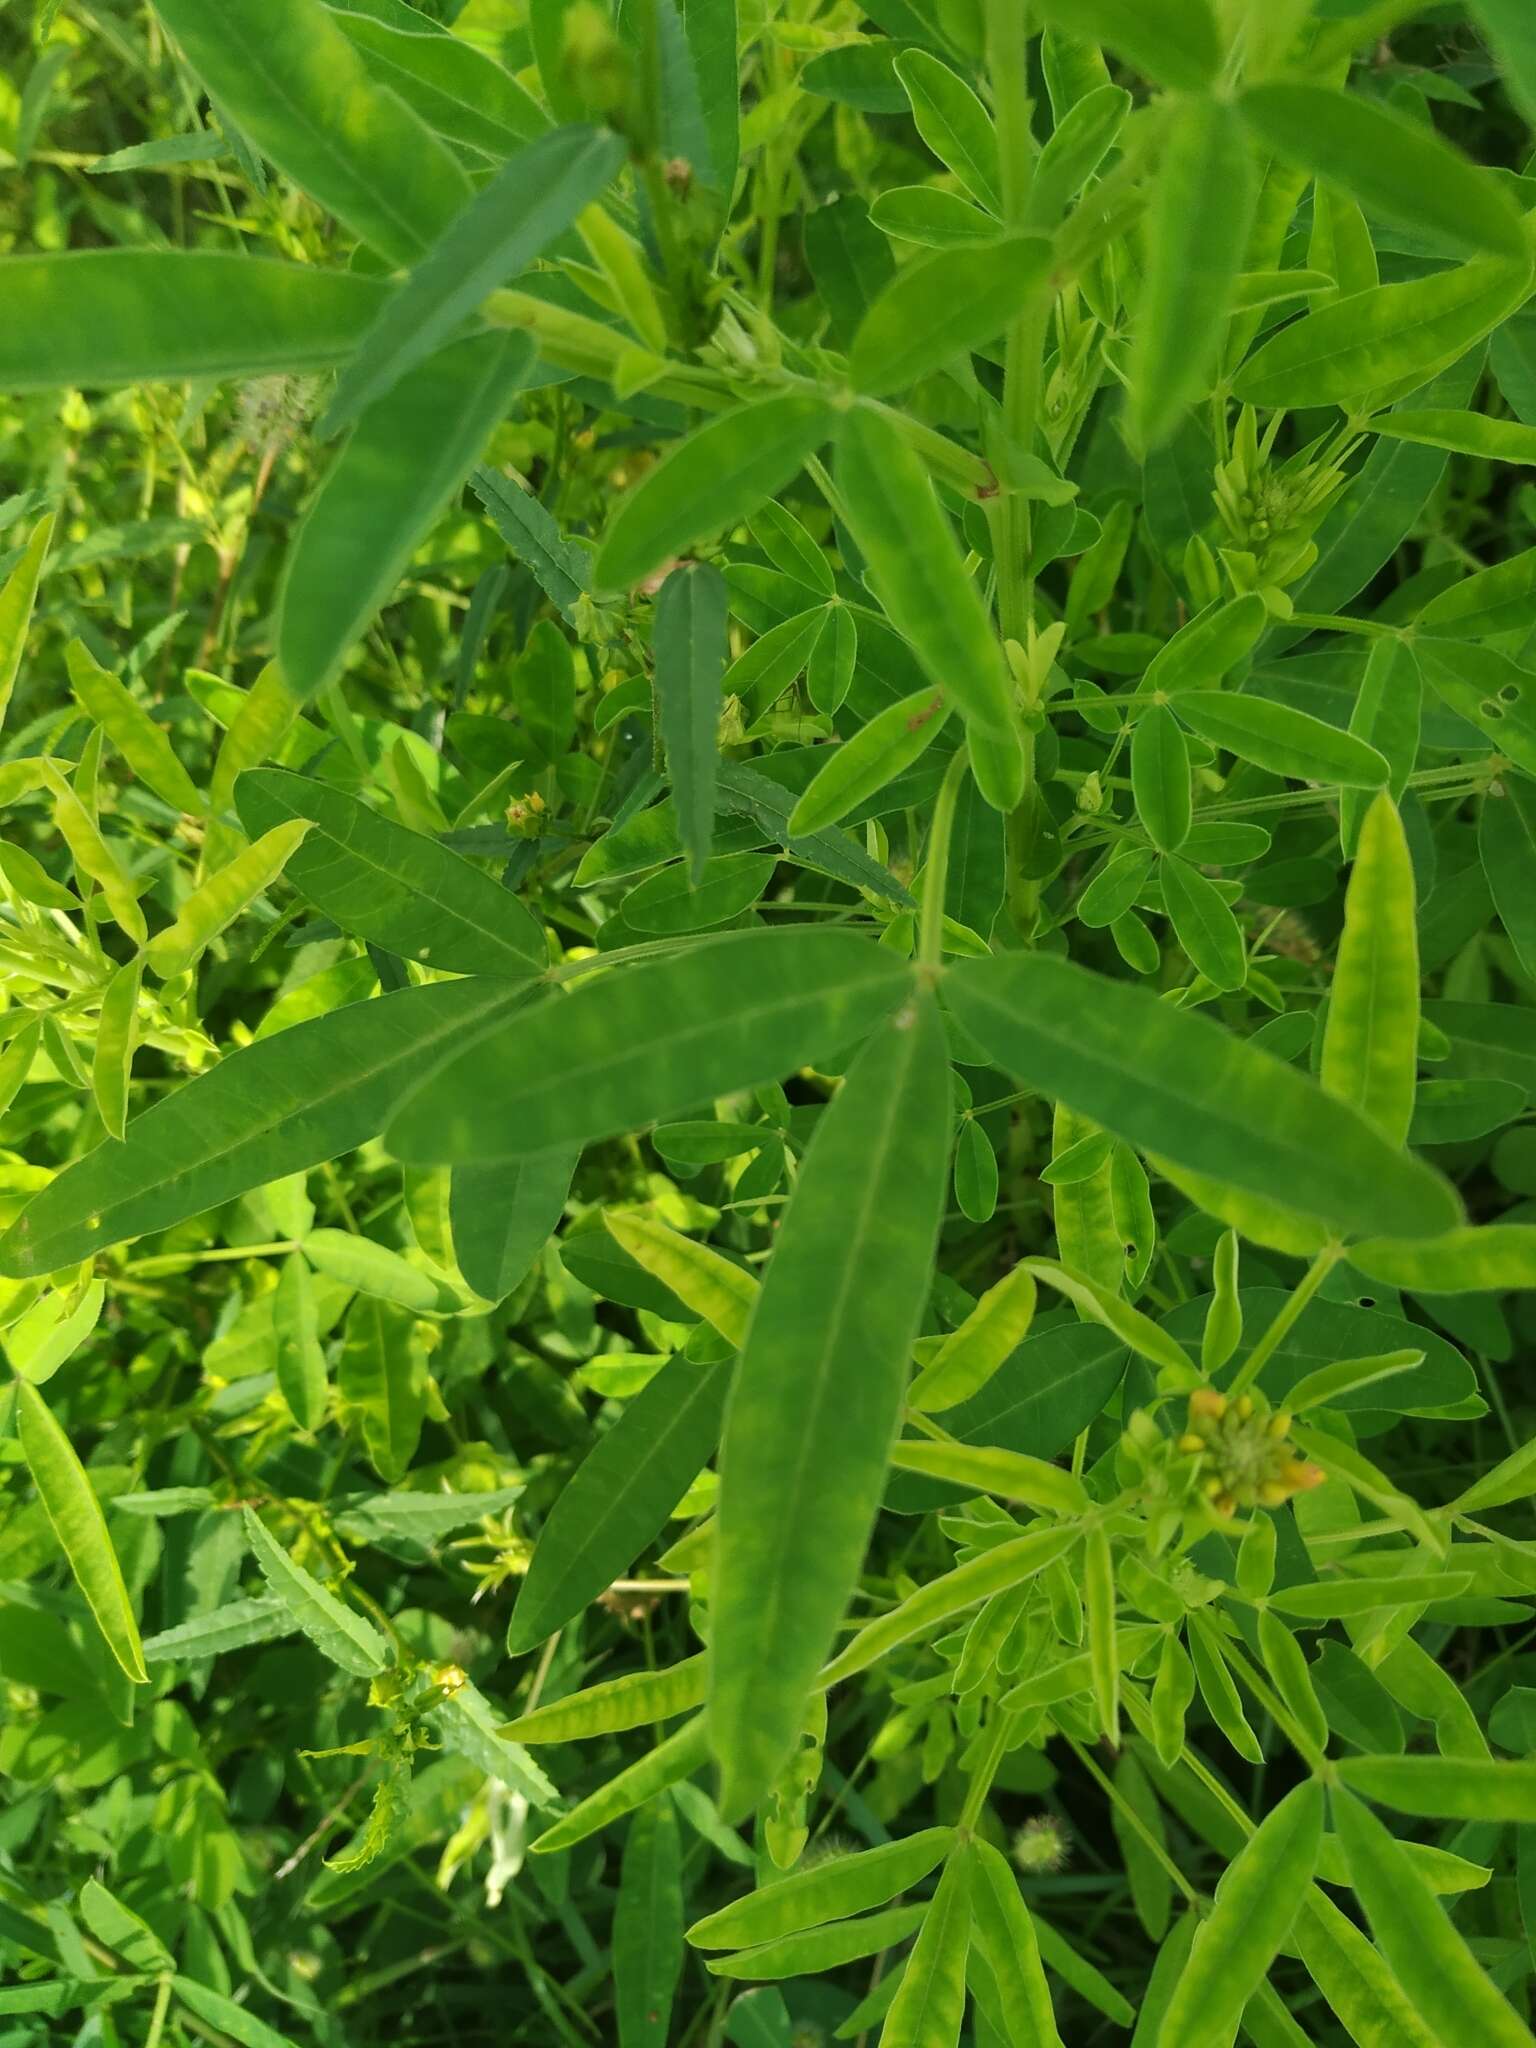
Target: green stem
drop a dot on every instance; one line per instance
(987, 1763)
(1270, 1701)
(930, 949)
(1128, 1813)
(157, 2017)
(1267, 1345)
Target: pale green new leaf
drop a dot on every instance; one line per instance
(1483, 1258)
(18, 595)
(930, 2005)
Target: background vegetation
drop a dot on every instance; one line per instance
(1038, 623)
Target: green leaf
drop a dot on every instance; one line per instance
(1370, 1040)
(826, 1891)
(18, 597)
(1463, 433)
(502, 1216)
(876, 754)
(1174, 42)
(70, 1502)
(691, 650)
(1509, 28)
(672, 901)
(1399, 169)
(620, 1497)
(1506, 844)
(122, 1929)
(822, 1371)
(532, 199)
(651, 1042)
(917, 570)
(1256, 1901)
(1176, 1084)
(397, 888)
(1208, 647)
(944, 305)
(954, 124)
(1497, 600)
(1485, 1259)
(1356, 1979)
(1203, 923)
(1331, 1599)
(1281, 739)
(302, 94)
(223, 2013)
(1389, 339)
(932, 218)
(678, 1757)
(1160, 780)
(633, 1701)
(1103, 1651)
(822, 1948)
(994, 1571)
(277, 1107)
(1004, 1933)
(116, 1038)
(712, 480)
(231, 1627)
(1012, 1475)
(648, 1927)
(381, 1377)
(1445, 1787)
(746, 792)
(135, 316)
(397, 470)
(1429, 1957)
(300, 1361)
(1198, 232)
(335, 1629)
(930, 2005)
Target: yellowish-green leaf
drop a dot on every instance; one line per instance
(70, 1502)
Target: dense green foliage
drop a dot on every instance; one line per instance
(768, 955)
